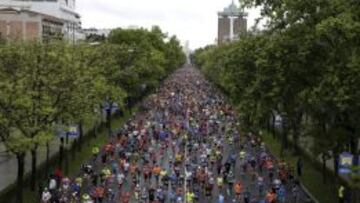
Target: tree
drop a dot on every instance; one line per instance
(43, 82)
(145, 58)
(15, 142)
(108, 86)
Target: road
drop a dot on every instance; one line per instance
(185, 146)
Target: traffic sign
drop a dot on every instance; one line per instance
(114, 107)
(345, 163)
(73, 131)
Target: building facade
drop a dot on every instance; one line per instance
(232, 23)
(36, 19)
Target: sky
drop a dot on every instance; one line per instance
(190, 20)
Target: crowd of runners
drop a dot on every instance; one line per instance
(183, 146)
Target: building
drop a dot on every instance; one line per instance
(231, 23)
(39, 19)
(95, 31)
(93, 35)
(187, 51)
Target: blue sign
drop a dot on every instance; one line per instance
(73, 131)
(114, 107)
(345, 163)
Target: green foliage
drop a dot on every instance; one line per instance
(39, 87)
(149, 57)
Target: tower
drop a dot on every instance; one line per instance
(231, 23)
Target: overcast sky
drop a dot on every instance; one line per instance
(193, 20)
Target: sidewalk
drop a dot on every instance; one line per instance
(8, 161)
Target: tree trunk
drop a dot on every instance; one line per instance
(259, 125)
(121, 112)
(273, 125)
(47, 159)
(268, 124)
(61, 152)
(95, 129)
(108, 120)
(283, 142)
(20, 177)
(323, 158)
(285, 131)
(81, 134)
(296, 135)
(33, 168)
(66, 157)
(247, 122)
(286, 141)
(336, 165)
(73, 150)
(67, 139)
(130, 105)
(354, 145)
